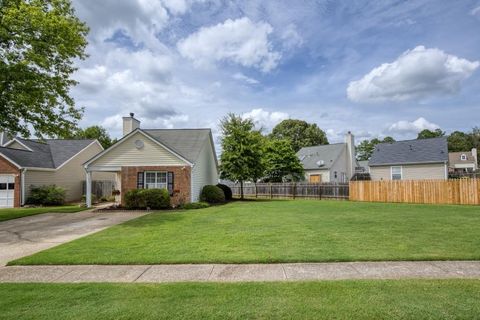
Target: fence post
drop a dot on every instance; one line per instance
(294, 189)
(271, 194)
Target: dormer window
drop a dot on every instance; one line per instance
(463, 157)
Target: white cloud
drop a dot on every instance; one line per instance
(239, 41)
(290, 37)
(240, 76)
(412, 126)
(417, 73)
(475, 12)
(265, 119)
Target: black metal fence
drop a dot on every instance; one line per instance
(292, 190)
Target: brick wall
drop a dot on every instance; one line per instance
(181, 181)
(8, 168)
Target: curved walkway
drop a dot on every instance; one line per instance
(243, 272)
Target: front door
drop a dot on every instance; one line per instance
(7, 190)
(315, 178)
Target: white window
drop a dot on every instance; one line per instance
(463, 157)
(396, 173)
(155, 180)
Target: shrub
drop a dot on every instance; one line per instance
(227, 191)
(156, 198)
(46, 196)
(147, 198)
(212, 194)
(94, 198)
(195, 205)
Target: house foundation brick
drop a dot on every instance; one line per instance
(181, 181)
(6, 167)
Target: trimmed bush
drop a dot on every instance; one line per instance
(227, 191)
(147, 198)
(195, 205)
(46, 196)
(212, 194)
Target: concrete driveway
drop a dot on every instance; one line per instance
(25, 236)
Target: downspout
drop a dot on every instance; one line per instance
(191, 182)
(22, 183)
(446, 171)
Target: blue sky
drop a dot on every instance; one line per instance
(375, 68)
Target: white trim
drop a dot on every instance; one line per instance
(19, 142)
(39, 169)
(129, 135)
(76, 154)
(104, 169)
(191, 182)
(391, 172)
(11, 161)
(463, 157)
(156, 178)
(22, 186)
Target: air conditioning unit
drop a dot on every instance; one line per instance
(320, 163)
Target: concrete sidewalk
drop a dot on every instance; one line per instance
(243, 272)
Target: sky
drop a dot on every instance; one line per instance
(375, 68)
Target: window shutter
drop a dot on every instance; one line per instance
(140, 183)
(170, 183)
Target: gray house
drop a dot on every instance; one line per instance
(329, 163)
(410, 160)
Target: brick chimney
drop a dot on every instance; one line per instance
(130, 124)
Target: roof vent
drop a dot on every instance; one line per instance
(320, 163)
(132, 114)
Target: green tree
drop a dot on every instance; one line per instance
(241, 158)
(459, 141)
(95, 132)
(281, 161)
(39, 40)
(365, 149)
(300, 133)
(427, 134)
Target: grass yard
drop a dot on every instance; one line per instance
(14, 213)
(399, 299)
(281, 231)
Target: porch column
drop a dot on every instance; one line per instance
(88, 195)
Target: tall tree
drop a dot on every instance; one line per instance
(427, 134)
(281, 161)
(459, 141)
(39, 40)
(95, 132)
(300, 133)
(365, 149)
(241, 158)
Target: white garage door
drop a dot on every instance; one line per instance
(7, 190)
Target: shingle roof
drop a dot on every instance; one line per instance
(410, 151)
(49, 154)
(455, 157)
(188, 143)
(310, 156)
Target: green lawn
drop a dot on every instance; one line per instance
(400, 299)
(281, 231)
(14, 213)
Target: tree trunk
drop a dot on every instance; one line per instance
(241, 190)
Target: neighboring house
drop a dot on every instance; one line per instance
(330, 162)
(410, 160)
(180, 160)
(466, 161)
(25, 163)
(362, 166)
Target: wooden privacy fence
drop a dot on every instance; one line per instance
(293, 190)
(458, 191)
(100, 188)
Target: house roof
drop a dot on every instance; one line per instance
(188, 143)
(455, 157)
(432, 150)
(48, 154)
(329, 153)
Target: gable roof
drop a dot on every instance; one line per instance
(47, 154)
(329, 153)
(455, 157)
(432, 150)
(186, 142)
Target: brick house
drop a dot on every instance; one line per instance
(179, 160)
(25, 163)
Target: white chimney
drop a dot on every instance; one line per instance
(130, 124)
(351, 161)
